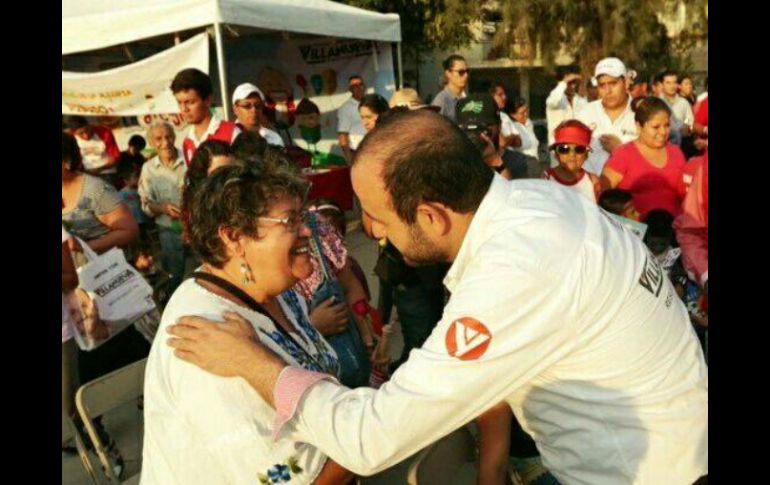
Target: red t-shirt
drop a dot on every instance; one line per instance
(651, 187)
(702, 116)
(225, 132)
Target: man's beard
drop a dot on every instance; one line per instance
(421, 251)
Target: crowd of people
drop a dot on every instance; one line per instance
(226, 218)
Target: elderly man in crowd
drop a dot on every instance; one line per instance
(160, 189)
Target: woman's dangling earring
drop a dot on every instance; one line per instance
(246, 272)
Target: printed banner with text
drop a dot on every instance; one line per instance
(136, 89)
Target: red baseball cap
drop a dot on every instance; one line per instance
(573, 132)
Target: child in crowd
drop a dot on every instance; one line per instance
(661, 241)
(619, 202)
(571, 146)
(138, 252)
(334, 215)
(136, 145)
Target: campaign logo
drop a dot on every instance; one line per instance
(467, 339)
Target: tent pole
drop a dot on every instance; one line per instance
(222, 75)
(400, 68)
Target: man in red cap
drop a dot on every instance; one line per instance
(572, 142)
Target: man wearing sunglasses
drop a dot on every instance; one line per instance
(457, 75)
(248, 103)
(350, 128)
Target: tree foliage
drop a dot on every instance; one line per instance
(427, 25)
(593, 29)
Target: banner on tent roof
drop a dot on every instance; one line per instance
(137, 89)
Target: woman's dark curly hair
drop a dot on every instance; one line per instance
(234, 197)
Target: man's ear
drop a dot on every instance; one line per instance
(434, 218)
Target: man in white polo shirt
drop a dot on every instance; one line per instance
(555, 309)
(350, 128)
(610, 117)
(248, 102)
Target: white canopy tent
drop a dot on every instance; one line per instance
(95, 24)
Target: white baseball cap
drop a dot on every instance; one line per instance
(245, 90)
(610, 66)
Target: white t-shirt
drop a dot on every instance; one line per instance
(66, 319)
(506, 126)
(271, 137)
(594, 116)
(564, 314)
(204, 429)
(349, 121)
(529, 142)
(559, 109)
(94, 153)
(583, 185)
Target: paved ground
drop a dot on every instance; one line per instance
(125, 423)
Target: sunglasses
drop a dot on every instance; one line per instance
(462, 72)
(576, 149)
(250, 106)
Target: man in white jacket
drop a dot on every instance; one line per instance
(555, 309)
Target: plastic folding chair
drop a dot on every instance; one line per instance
(70, 432)
(104, 394)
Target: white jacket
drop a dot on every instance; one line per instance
(580, 332)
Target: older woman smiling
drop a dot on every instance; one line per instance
(247, 227)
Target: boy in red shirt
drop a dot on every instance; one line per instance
(193, 91)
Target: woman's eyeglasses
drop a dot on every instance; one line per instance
(292, 223)
(576, 149)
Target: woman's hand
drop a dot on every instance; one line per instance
(330, 318)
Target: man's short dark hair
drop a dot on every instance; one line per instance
(668, 73)
(493, 87)
(192, 79)
(128, 165)
(249, 146)
(449, 62)
(614, 200)
(562, 71)
(426, 158)
(138, 142)
(355, 76)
